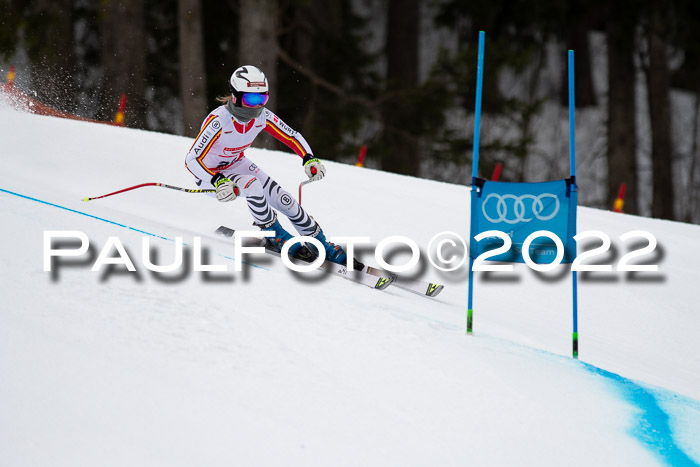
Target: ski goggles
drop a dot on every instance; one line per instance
(254, 99)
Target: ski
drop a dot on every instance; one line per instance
(374, 281)
(416, 286)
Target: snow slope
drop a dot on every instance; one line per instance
(265, 367)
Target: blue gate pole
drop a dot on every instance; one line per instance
(572, 167)
(475, 172)
(572, 129)
(477, 111)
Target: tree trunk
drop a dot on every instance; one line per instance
(50, 47)
(192, 74)
(622, 137)
(258, 46)
(258, 40)
(401, 148)
(693, 213)
(124, 60)
(577, 40)
(313, 19)
(658, 90)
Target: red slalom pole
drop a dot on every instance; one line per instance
(186, 190)
(361, 156)
(496, 172)
(119, 118)
(620, 200)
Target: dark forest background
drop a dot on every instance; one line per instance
(395, 75)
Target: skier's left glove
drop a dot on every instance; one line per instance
(313, 168)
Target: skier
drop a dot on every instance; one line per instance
(217, 158)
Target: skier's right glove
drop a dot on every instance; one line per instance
(226, 190)
(313, 168)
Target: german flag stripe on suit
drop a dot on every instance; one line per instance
(204, 127)
(206, 150)
(290, 141)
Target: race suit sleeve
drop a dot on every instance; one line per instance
(284, 133)
(195, 159)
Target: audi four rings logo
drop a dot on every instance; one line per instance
(518, 205)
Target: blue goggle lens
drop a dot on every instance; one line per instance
(254, 99)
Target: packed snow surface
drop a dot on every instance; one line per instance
(267, 367)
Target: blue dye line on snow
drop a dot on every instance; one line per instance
(83, 214)
(652, 423)
(652, 426)
(107, 221)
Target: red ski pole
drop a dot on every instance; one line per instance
(186, 190)
(305, 182)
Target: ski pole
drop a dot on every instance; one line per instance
(313, 172)
(305, 182)
(186, 190)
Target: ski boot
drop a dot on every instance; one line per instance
(298, 250)
(334, 253)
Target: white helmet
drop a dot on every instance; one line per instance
(248, 78)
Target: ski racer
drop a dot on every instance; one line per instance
(217, 160)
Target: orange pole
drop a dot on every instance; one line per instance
(10, 77)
